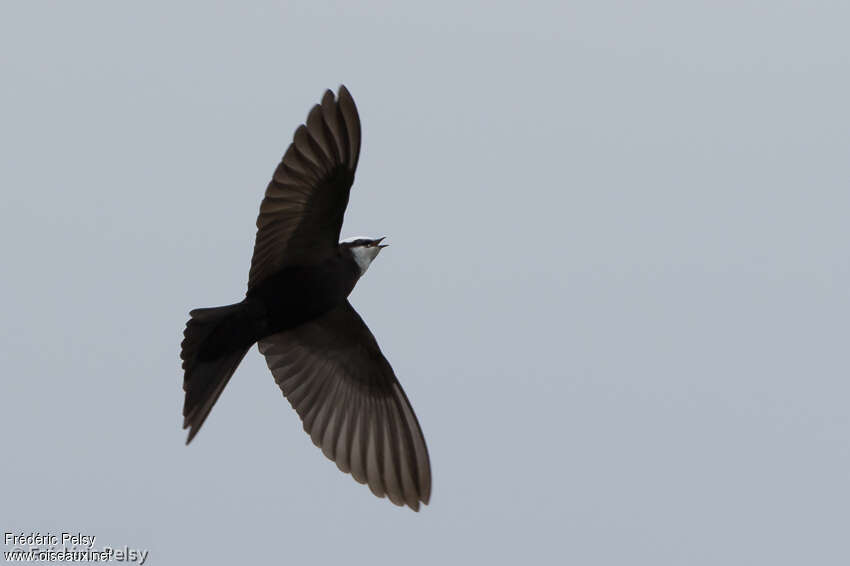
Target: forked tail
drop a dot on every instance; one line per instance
(215, 341)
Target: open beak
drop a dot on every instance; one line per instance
(378, 242)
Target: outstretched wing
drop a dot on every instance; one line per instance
(333, 373)
(301, 214)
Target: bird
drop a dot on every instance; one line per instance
(321, 353)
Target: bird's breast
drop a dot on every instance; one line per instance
(299, 293)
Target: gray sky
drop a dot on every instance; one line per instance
(617, 294)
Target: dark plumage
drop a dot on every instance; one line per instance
(321, 353)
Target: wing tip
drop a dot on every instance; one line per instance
(192, 432)
(343, 91)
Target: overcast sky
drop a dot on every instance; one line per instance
(617, 292)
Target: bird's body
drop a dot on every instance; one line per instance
(298, 293)
(287, 299)
(319, 350)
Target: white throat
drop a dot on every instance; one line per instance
(364, 256)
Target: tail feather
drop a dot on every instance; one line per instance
(214, 343)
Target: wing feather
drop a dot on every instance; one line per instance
(390, 455)
(334, 375)
(302, 211)
(342, 450)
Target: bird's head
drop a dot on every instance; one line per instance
(363, 250)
